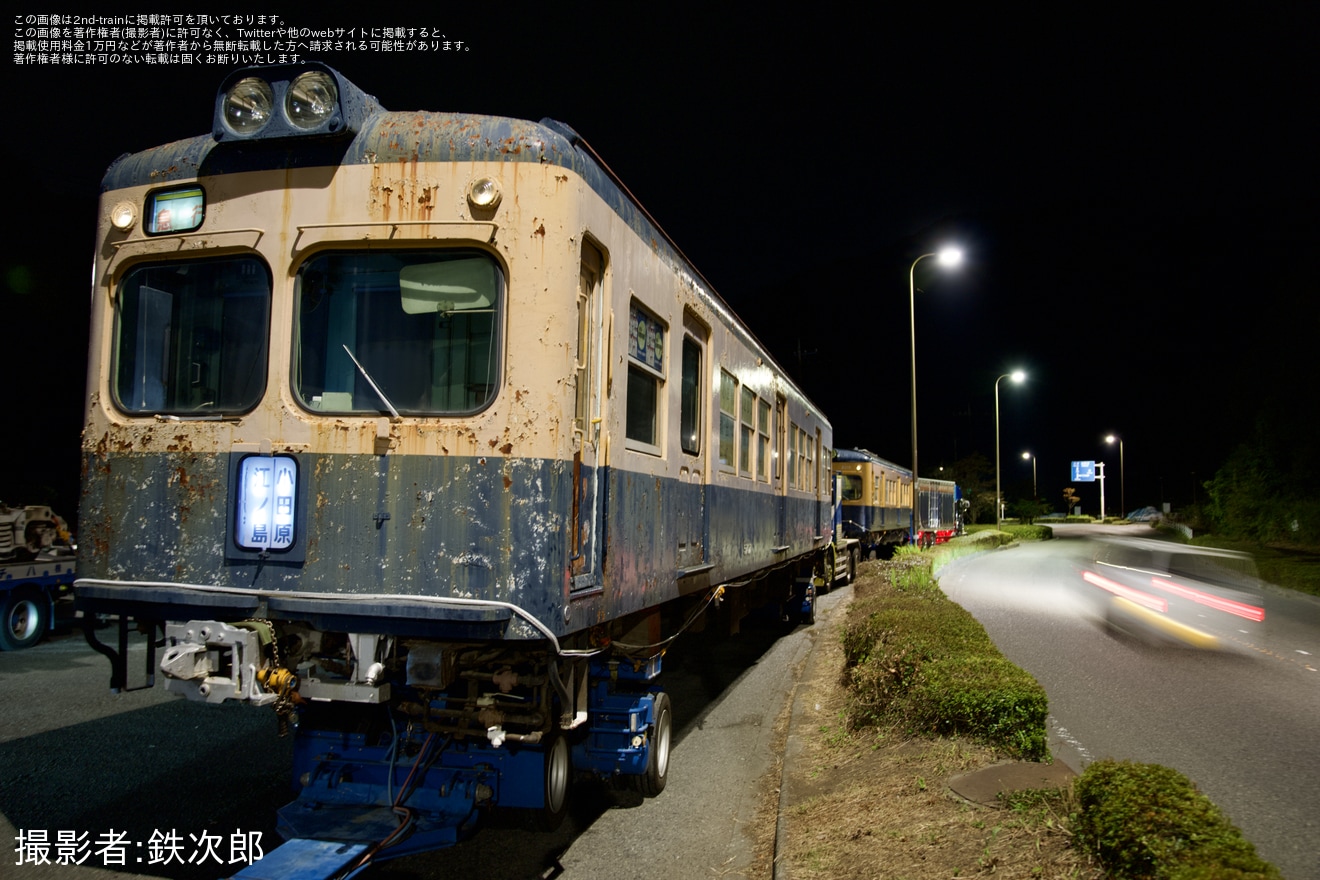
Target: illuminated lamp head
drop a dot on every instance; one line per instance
(286, 101)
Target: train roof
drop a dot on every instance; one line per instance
(378, 137)
(868, 455)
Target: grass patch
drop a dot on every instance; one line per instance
(871, 802)
(925, 694)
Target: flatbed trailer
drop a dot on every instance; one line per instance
(37, 569)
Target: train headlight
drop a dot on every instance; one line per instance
(484, 193)
(289, 101)
(248, 105)
(312, 98)
(123, 216)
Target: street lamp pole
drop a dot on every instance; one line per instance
(947, 257)
(1025, 456)
(1122, 479)
(1017, 376)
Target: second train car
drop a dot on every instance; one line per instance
(417, 429)
(876, 502)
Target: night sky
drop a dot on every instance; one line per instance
(1136, 199)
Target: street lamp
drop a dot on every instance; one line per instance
(947, 257)
(1017, 376)
(1122, 495)
(1025, 456)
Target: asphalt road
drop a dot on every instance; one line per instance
(80, 760)
(1241, 723)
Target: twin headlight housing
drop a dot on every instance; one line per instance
(288, 101)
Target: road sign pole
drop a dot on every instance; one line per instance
(1100, 475)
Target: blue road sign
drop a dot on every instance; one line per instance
(1083, 472)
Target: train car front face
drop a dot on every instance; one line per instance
(301, 401)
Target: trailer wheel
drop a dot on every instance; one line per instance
(808, 616)
(558, 776)
(652, 782)
(26, 619)
(852, 566)
(831, 568)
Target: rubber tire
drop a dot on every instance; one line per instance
(558, 780)
(852, 566)
(653, 781)
(26, 617)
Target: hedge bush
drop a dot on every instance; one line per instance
(1149, 822)
(914, 658)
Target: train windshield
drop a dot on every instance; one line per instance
(191, 337)
(852, 487)
(407, 332)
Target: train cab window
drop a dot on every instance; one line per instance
(409, 331)
(728, 418)
(852, 487)
(191, 337)
(646, 362)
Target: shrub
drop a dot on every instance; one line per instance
(1148, 821)
(915, 659)
(1030, 532)
(987, 698)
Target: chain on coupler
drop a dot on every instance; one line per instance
(283, 683)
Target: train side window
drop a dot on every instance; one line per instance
(191, 337)
(690, 398)
(589, 276)
(747, 429)
(646, 360)
(728, 419)
(793, 433)
(762, 439)
(809, 465)
(781, 434)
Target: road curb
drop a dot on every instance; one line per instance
(825, 627)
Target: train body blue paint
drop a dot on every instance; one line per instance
(417, 429)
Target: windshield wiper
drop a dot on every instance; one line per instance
(372, 382)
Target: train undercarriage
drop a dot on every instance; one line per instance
(404, 745)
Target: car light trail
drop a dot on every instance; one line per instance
(1219, 603)
(1155, 603)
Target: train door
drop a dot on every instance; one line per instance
(588, 540)
(781, 464)
(692, 519)
(818, 484)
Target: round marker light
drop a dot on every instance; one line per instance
(123, 216)
(248, 105)
(484, 193)
(311, 99)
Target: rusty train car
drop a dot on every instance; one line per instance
(876, 504)
(417, 429)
